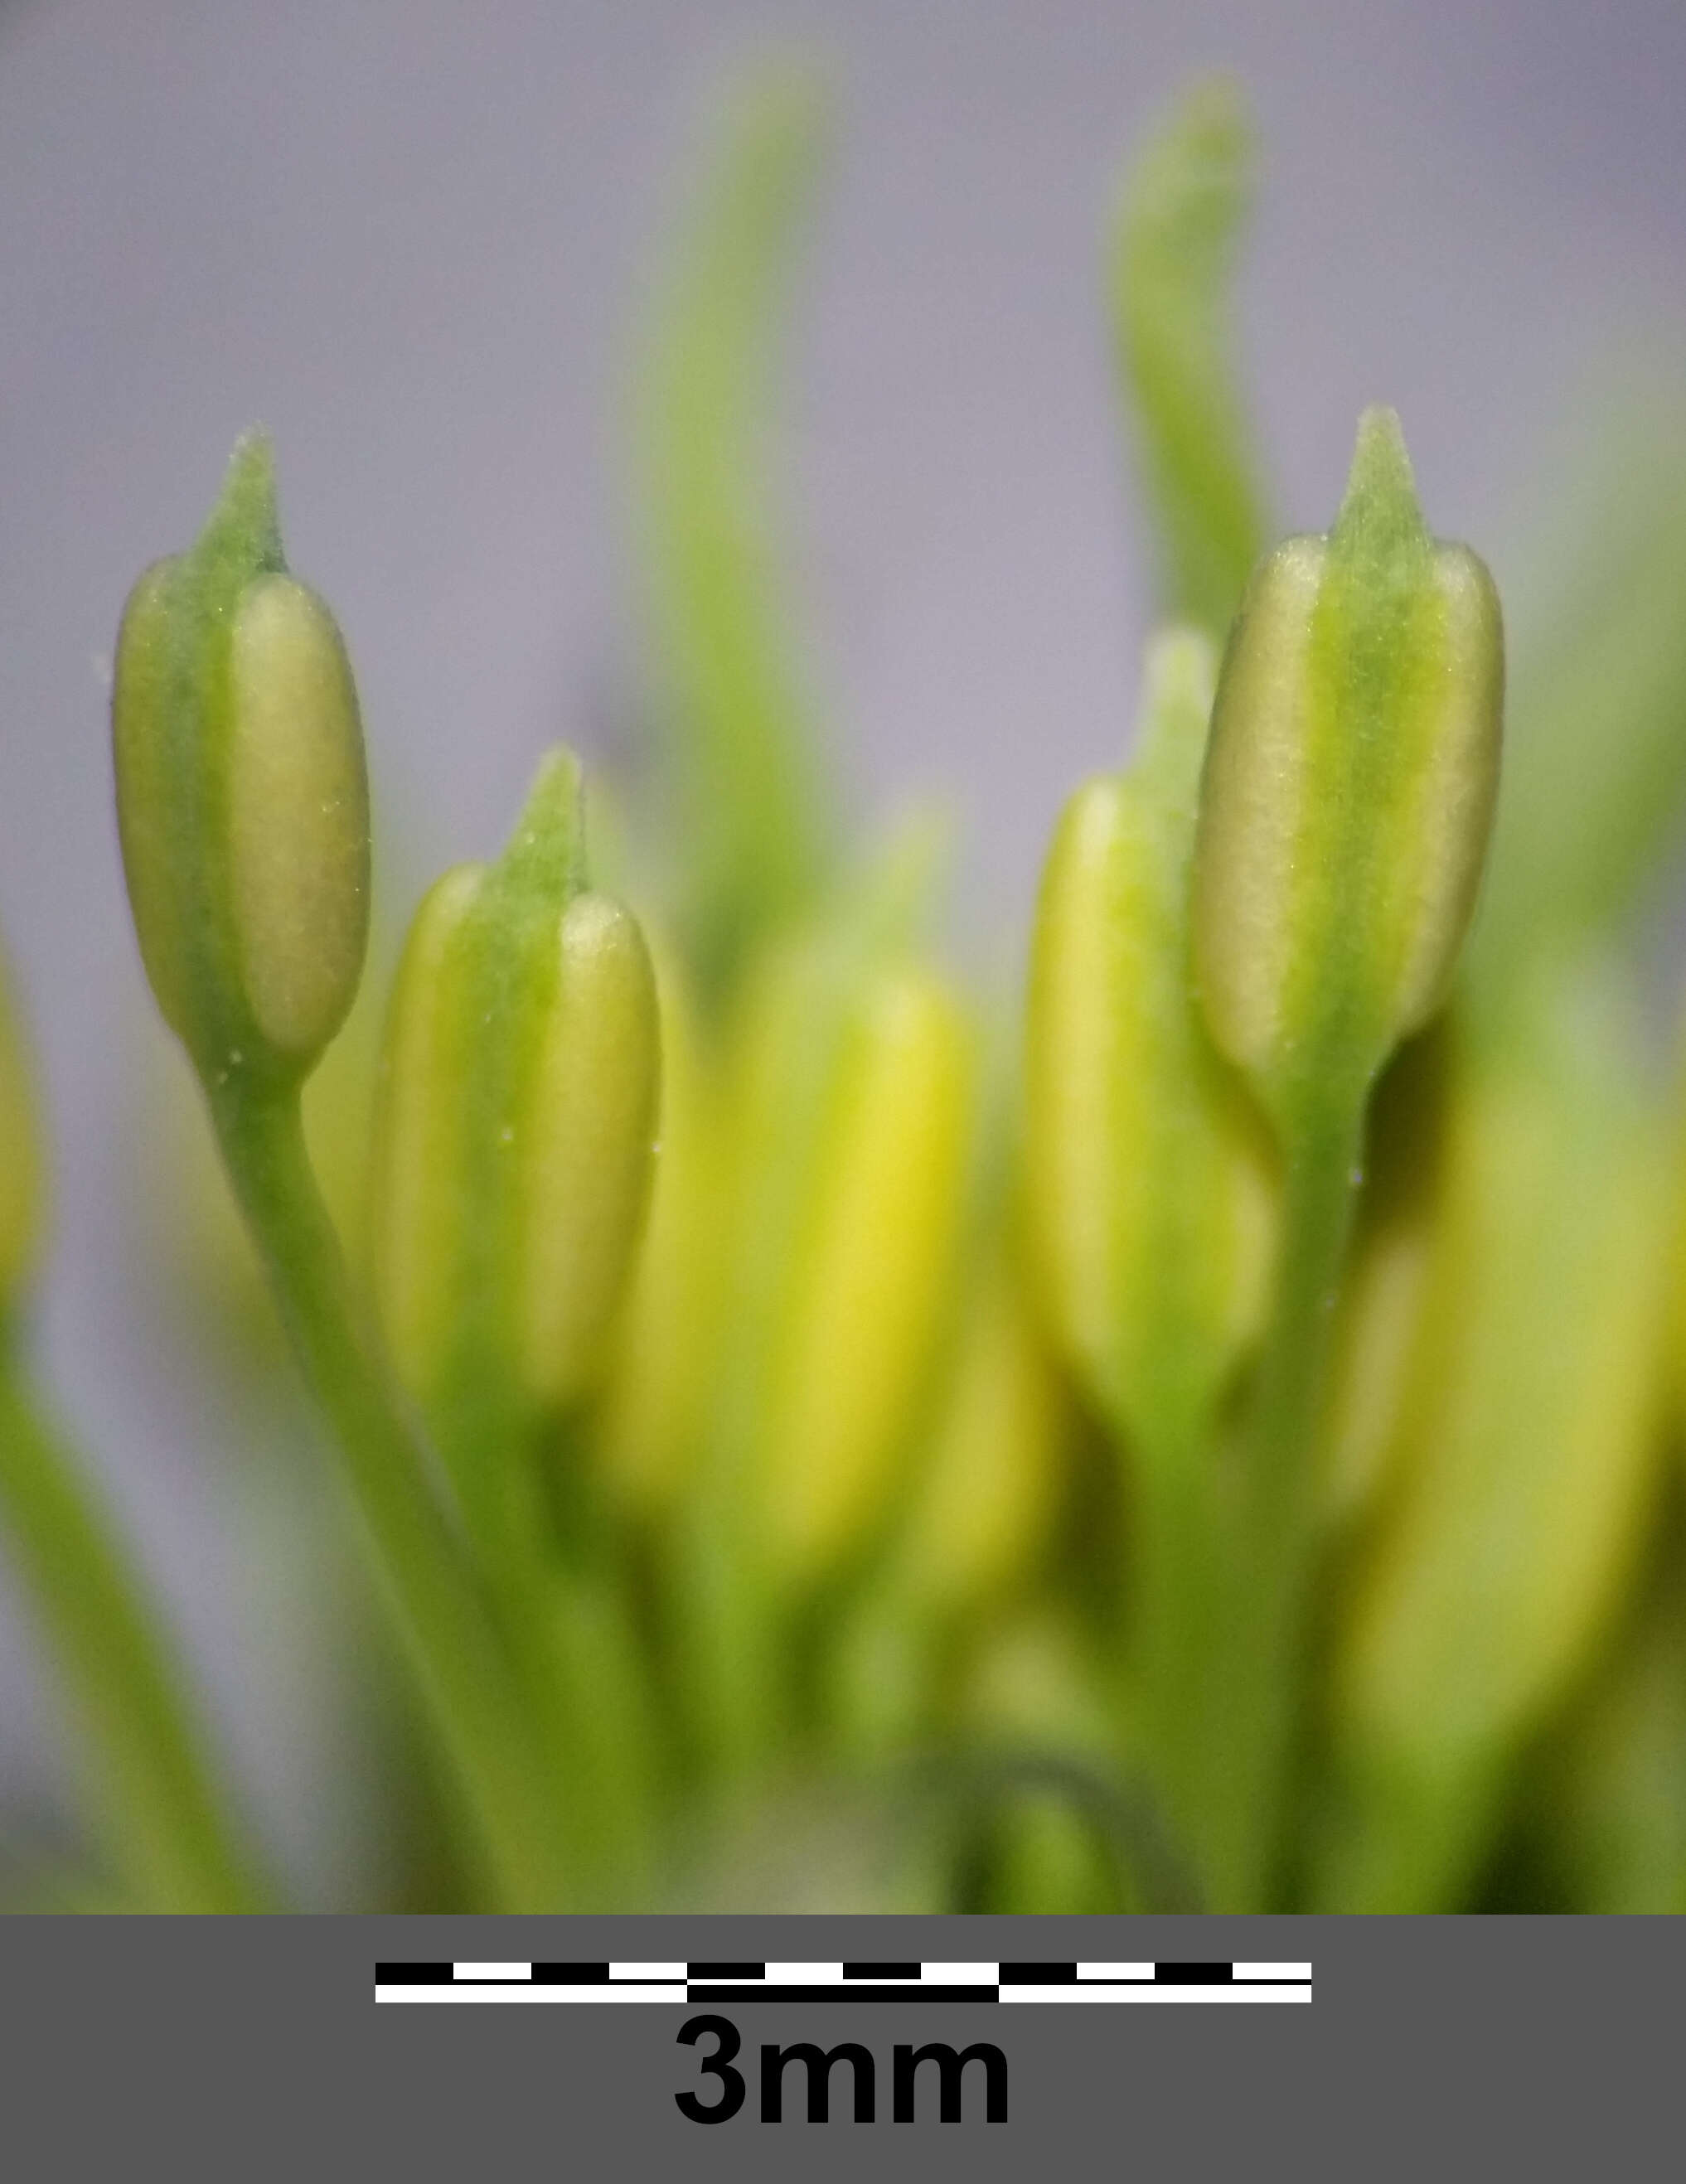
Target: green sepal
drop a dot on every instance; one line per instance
(1171, 249)
(750, 840)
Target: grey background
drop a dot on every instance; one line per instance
(411, 238)
(1514, 2047)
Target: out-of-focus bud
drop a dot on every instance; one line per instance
(1616, 1788)
(1349, 787)
(516, 1117)
(853, 1098)
(1530, 1449)
(242, 799)
(868, 1290)
(992, 1485)
(1172, 249)
(648, 1429)
(1385, 1296)
(977, 1524)
(22, 1187)
(1149, 1190)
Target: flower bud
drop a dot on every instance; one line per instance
(1385, 1293)
(242, 800)
(1530, 1446)
(22, 1187)
(647, 1430)
(516, 1117)
(1617, 1786)
(867, 1291)
(1149, 1193)
(987, 1505)
(1349, 786)
(853, 1090)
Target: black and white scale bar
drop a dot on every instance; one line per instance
(700, 1980)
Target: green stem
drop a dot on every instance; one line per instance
(565, 1619)
(1271, 1543)
(1178, 1568)
(608, 1710)
(170, 1826)
(475, 1697)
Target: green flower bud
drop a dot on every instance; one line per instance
(1617, 1786)
(647, 1430)
(22, 1184)
(1530, 1451)
(242, 800)
(1149, 1193)
(516, 1118)
(868, 1289)
(852, 1095)
(1349, 787)
(985, 1507)
(1388, 1287)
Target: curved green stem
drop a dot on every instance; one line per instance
(475, 1697)
(170, 1826)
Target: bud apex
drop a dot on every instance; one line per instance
(1350, 784)
(242, 799)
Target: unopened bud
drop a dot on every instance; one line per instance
(1385, 1295)
(1349, 786)
(1149, 1193)
(987, 1505)
(1531, 1453)
(516, 1115)
(867, 1294)
(852, 1090)
(242, 799)
(647, 1430)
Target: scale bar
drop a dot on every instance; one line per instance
(714, 1981)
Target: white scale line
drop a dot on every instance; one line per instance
(1273, 1971)
(492, 1971)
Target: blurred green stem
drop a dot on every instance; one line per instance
(448, 1632)
(170, 1826)
(1272, 1538)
